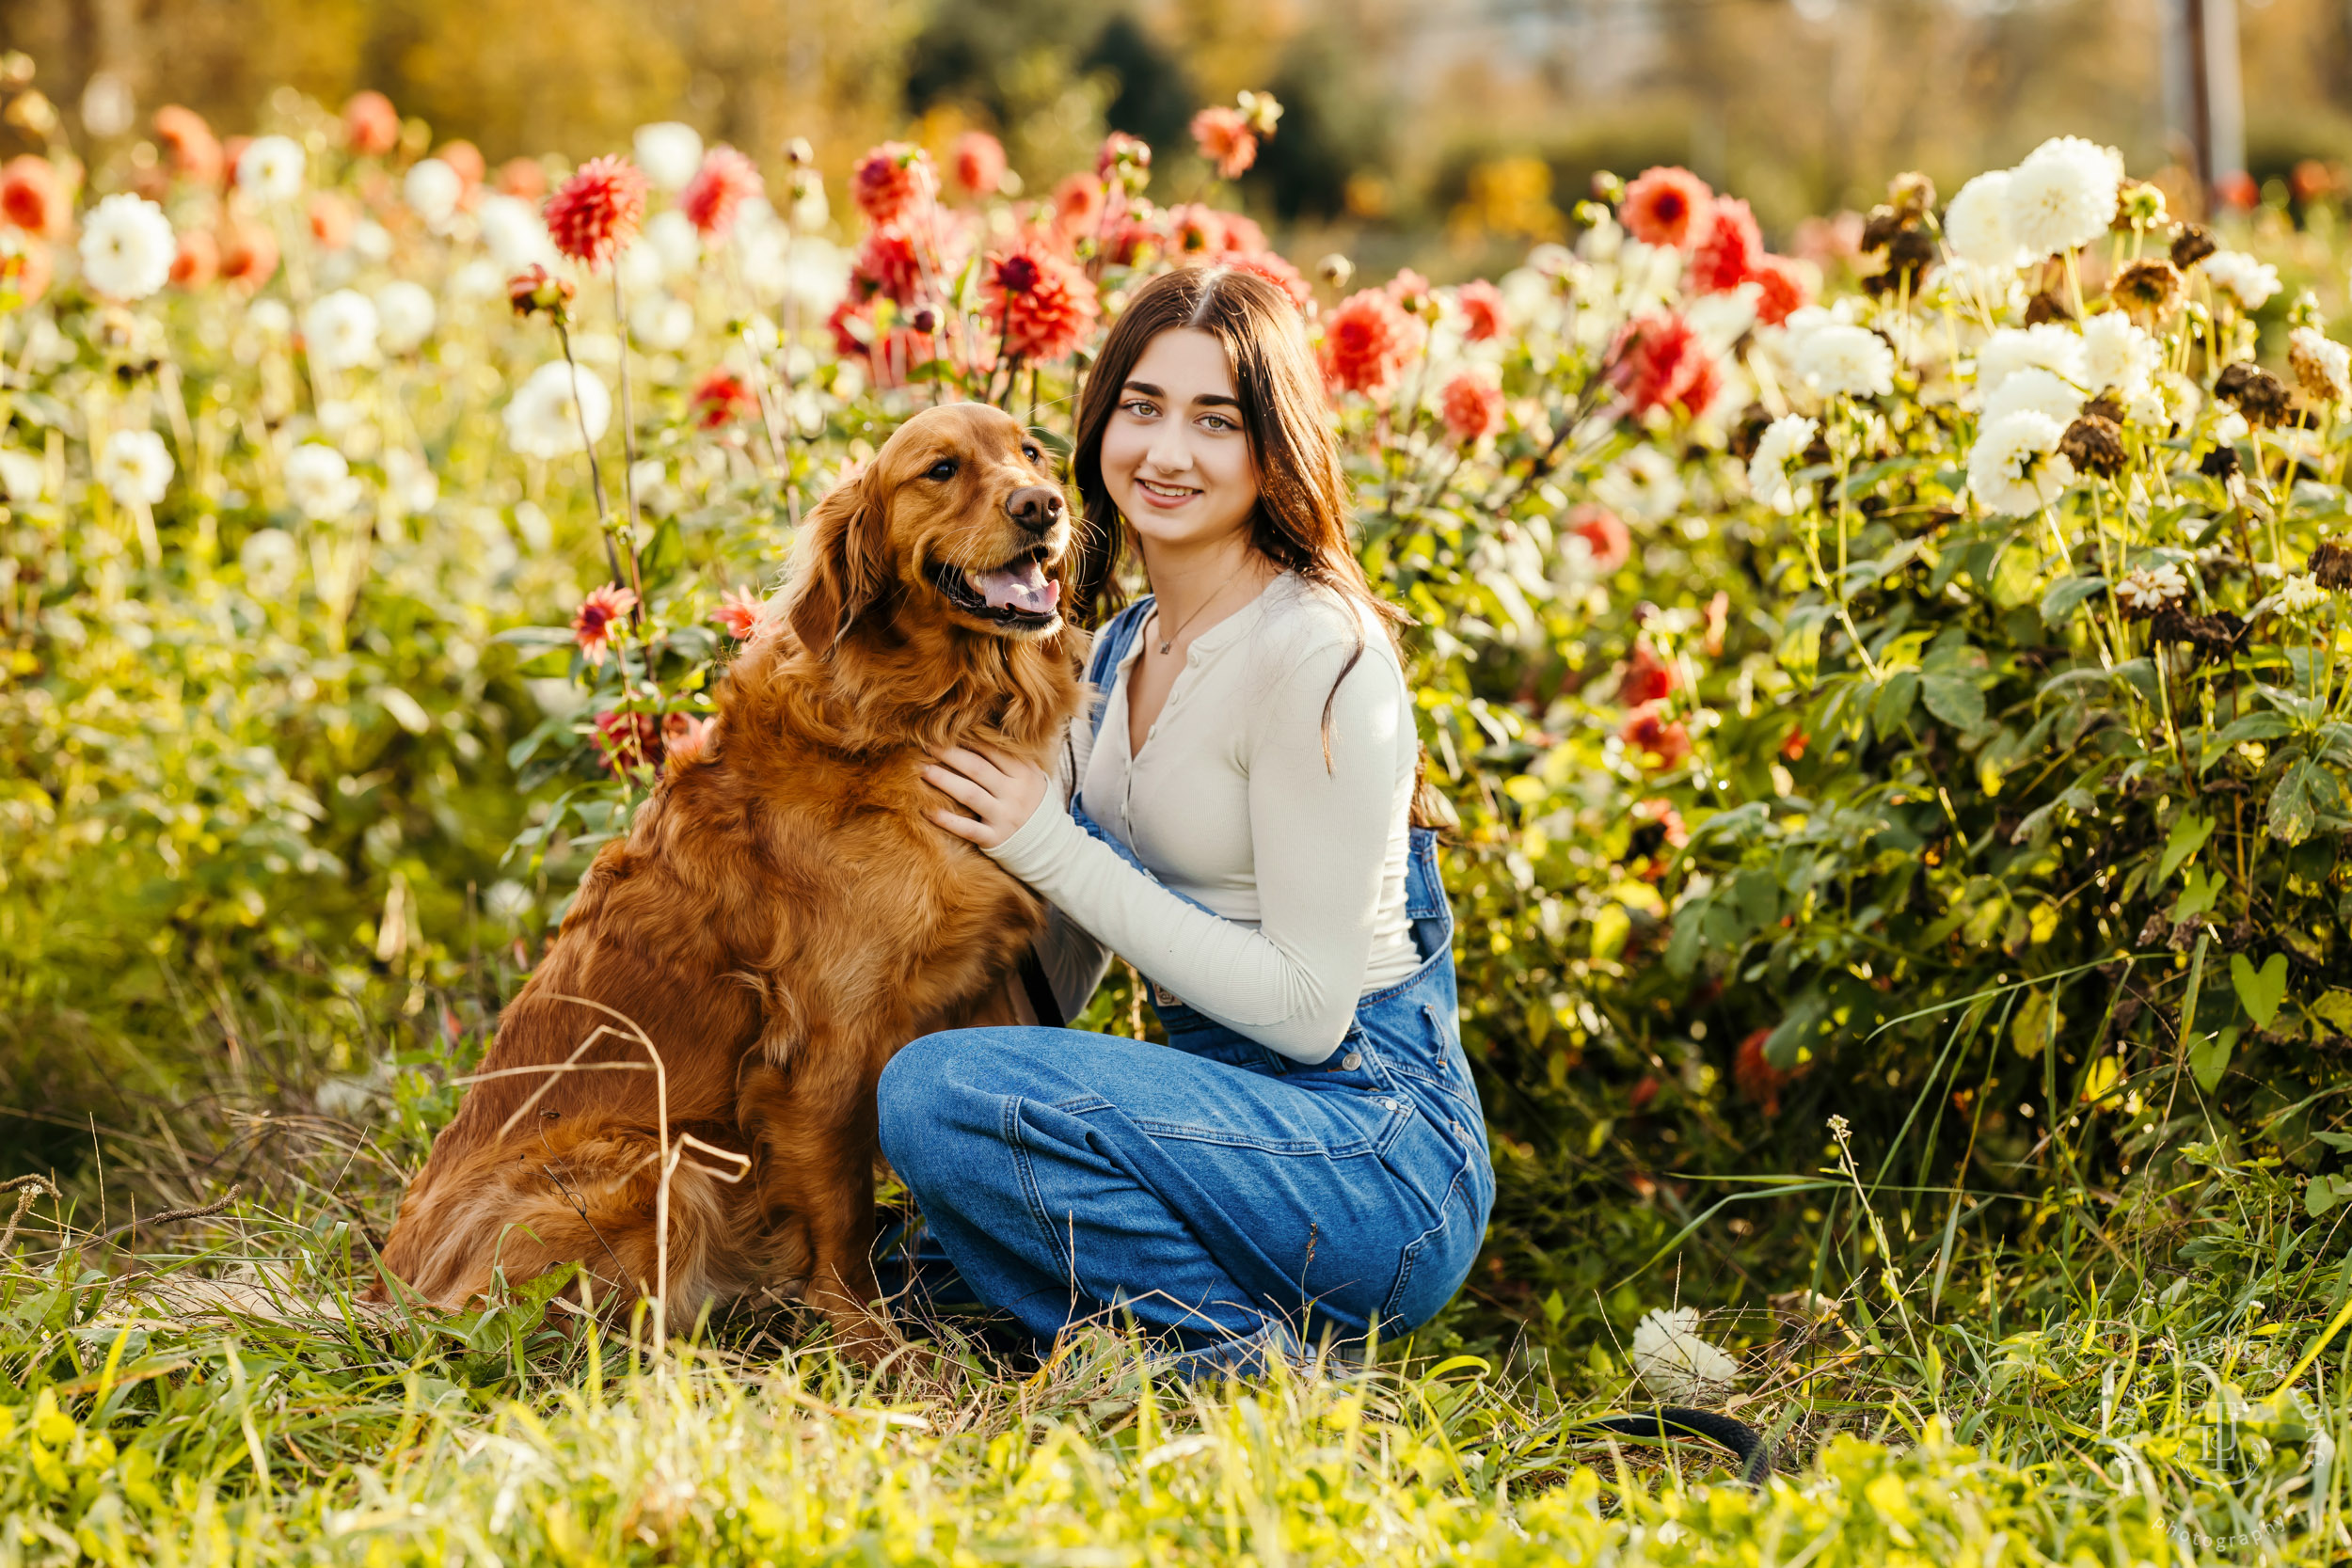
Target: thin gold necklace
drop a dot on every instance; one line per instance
(1169, 641)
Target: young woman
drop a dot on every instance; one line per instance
(1307, 1155)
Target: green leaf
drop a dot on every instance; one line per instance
(2334, 1010)
(2199, 894)
(2066, 596)
(2036, 1023)
(1954, 699)
(1891, 710)
(2188, 835)
(535, 637)
(2304, 793)
(2209, 1058)
(2260, 990)
(2252, 726)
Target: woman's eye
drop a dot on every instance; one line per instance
(944, 468)
(1218, 422)
(1140, 409)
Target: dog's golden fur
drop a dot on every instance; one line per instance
(781, 918)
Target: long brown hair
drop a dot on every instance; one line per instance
(1300, 521)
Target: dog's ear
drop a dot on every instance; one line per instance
(846, 566)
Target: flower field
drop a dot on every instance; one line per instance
(1893, 703)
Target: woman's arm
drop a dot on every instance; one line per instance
(1319, 838)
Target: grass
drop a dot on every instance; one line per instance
(208, 1389)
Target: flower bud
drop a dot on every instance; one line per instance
(925, 321)
(32, 112)
(1608, 187)
(535, 289)
(798, 153)
(1335, 269)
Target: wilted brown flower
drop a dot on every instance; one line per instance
(2331, 565)
(2191, 244)
(1879, 230)
(2256, 393)
(2215, 637)
(535, 289)
(1912, 194)
(2095, 444)
(2046, 307)
(2147, 289)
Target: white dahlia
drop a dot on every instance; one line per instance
(2038, 389)
(2247, 281)
(2015, 467)
(433, 189)
(674, 241)
(1854, 360)
(2118, 355)
(515, 234)
(2323, 368)
(270, 558)
(1674, 1363)
(319, 482)
(2063, 195)
(338, 330)
(2049, 345)
(1783, 443)
(127, 247)
(1643, 485)
(669, 153)
(135, 467)
(270, 170)
(2148, 589)
(543, 418)
(1975, 225)
(404, 313)
(662, 323)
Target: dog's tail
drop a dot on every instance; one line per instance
(1663, 1422)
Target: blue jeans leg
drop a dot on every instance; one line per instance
(1066, 1174)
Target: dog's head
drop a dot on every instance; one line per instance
(960, 514)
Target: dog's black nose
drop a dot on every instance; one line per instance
(1035, 507)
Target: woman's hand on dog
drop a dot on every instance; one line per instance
(1000, 792)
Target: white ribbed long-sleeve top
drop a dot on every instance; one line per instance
(1230, 802)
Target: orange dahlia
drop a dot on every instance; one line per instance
(595, 217)
(1471, 407)
(1663, 206)
(1367, 339)
(197, 261)
(194, 150)
(1043, 305)
(892, 182)
(248, 255)
(1225, 139)
(718, 191)
(371, 124)
(1078, 205)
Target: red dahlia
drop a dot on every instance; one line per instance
(1482, 309)
(1664, 205)
(1660, 360)
(1367, 339)
(718, 191)
(721, 399)
(1727, 248)
(1043, 305)
(1647, 679)
(595, 217)
(1657, 741)
(892, 182)
(1786, 289)
(887, 264)
(599, 619)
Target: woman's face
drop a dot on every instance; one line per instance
(1175, 457)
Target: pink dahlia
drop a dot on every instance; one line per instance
(1225, 139)
(1196, 228)
(1078, 205)
(888, 264)
(1043, 305)
(1472, 407)
(1604, 535)
(1727, 248)
(721, 399)
(371, 124)
(718, 191)
(741, 611)
(1786, 289)
(1367, 339)
(1659, 361)
(1663, 206)
(1481, 303)
(628, 741)
(595, 217)
(892, 182)
(979, 162)
(601, 615)
(1275, 270)
(194, 150)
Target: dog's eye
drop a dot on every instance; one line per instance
(944, 468)
(1033, 454)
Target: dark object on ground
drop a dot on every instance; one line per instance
(1666, 1421)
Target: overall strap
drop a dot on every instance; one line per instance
(1110, 645)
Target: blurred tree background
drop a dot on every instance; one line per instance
(1411, 123)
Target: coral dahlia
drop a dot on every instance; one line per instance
(371, 124)
(1367, 339)
(1273, 269)
(893, 180)
(1786, 289)
(886, 265)
(1664, 205)
(1604, 535)
(33, 196)
(1660, 360)
(194, 151)
(248, 255)
(597, 213)
(979, 162)
(718, 191)
(600, 614)
(1472, 407)
(1481, 303)
(1124, 158)
(1225, 139)
(1043, 305)
(197, 261)
(739, 611)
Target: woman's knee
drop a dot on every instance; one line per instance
(930, 1102)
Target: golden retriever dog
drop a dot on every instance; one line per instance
(781, 918)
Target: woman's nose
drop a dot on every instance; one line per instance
(1170, 453)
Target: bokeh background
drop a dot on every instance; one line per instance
(1417, 130)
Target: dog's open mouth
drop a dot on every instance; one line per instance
(1018, 594)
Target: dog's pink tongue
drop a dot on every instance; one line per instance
(1022, 586)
